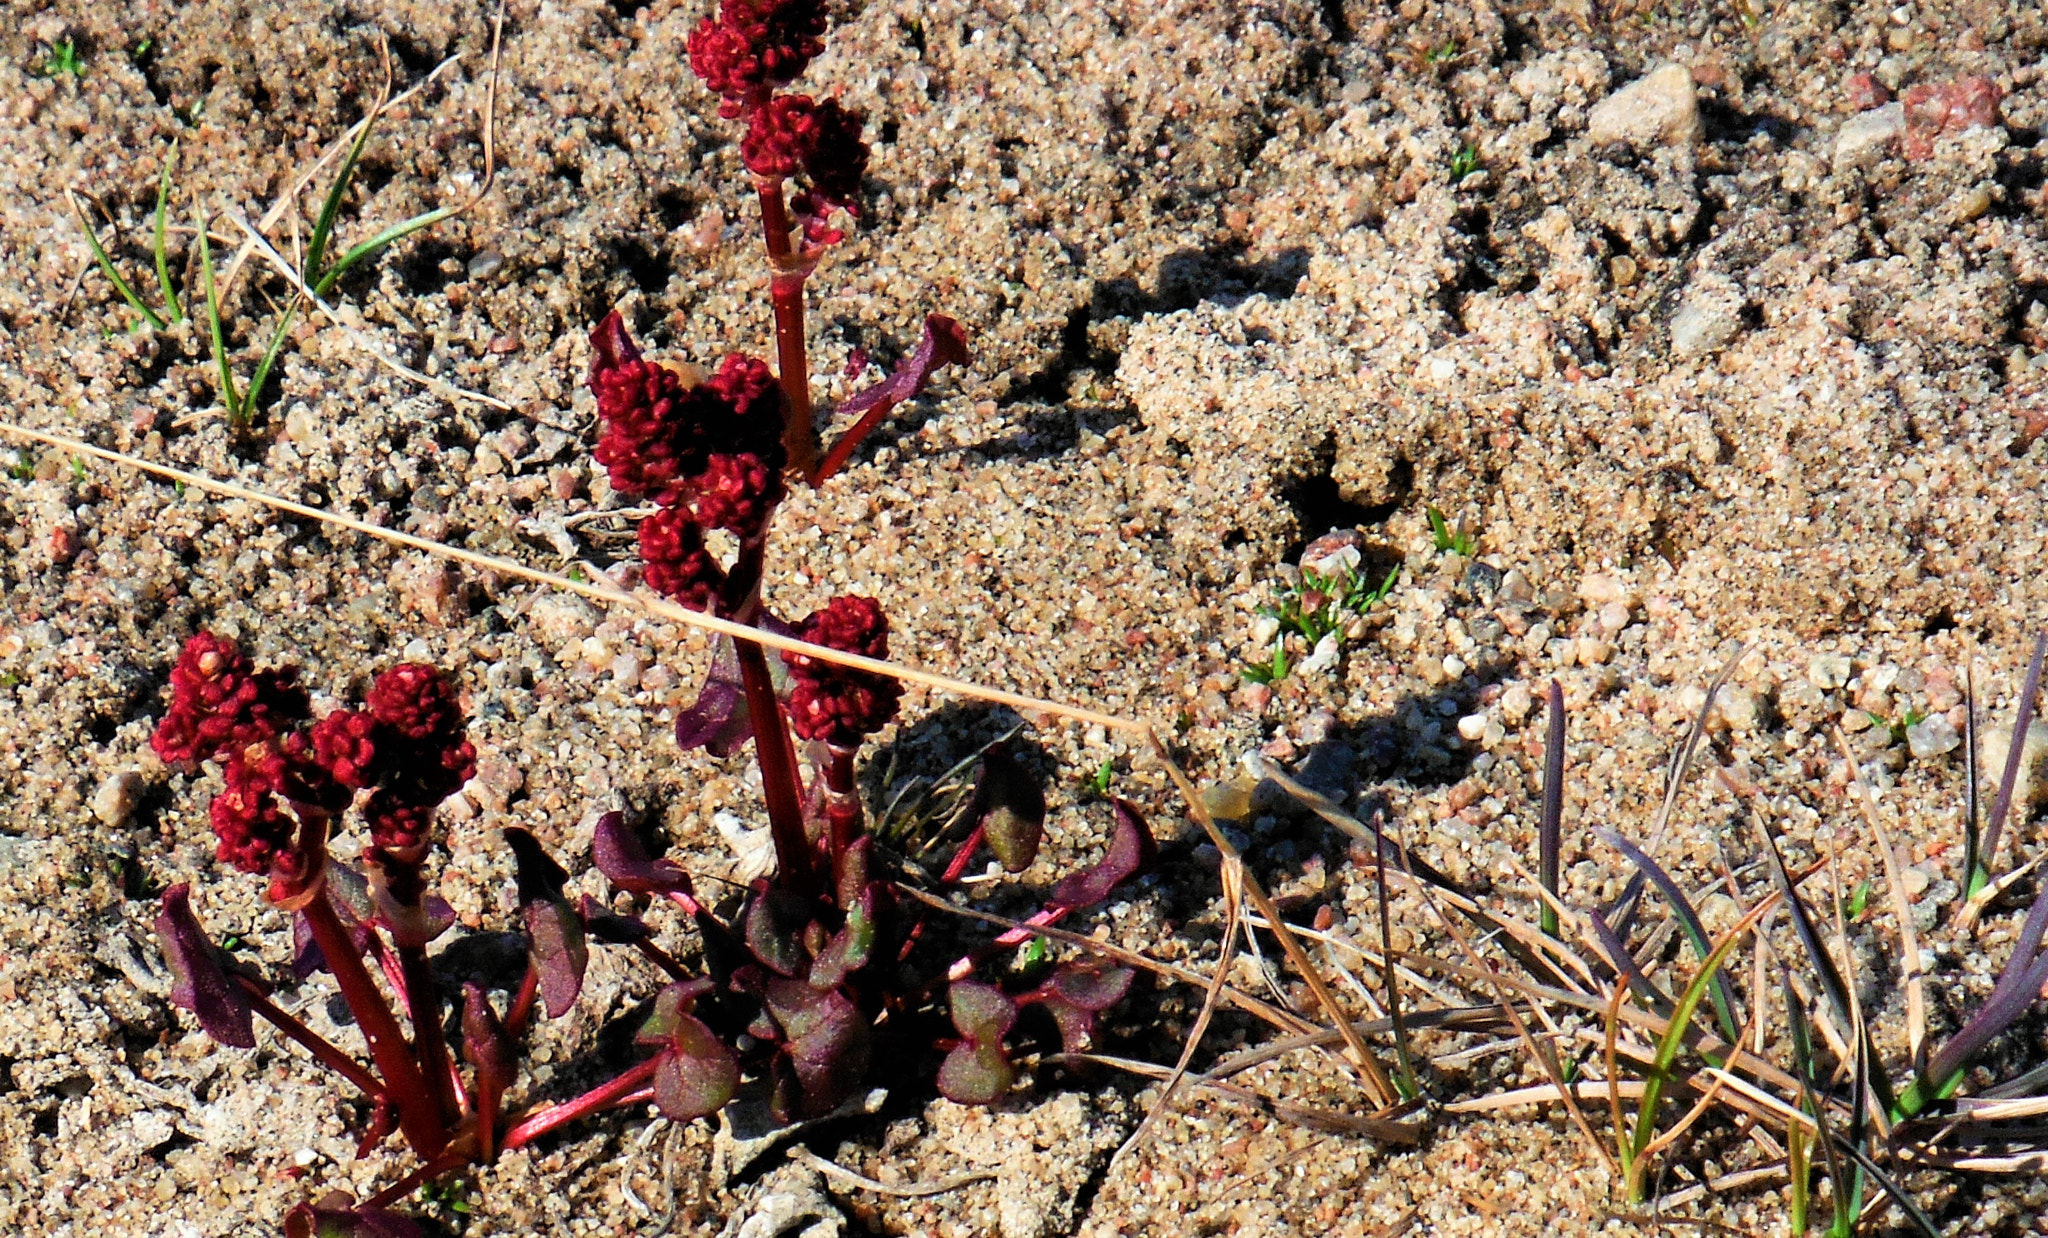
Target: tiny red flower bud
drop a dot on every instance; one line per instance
(343, 745)
(675, 562)
(416, 701)
(218, 702)
(745, 410)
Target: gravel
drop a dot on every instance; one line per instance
(1703, 359)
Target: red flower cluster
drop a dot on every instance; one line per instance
(711, 456)
(753, 46)
(838, 704)
(408, 743)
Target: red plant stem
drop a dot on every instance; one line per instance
(780, 786)
(489, 1092)
(418, 1114)
(662, 959)
(846, 444)
(430, 1046)
(685, 901)
(620, 1091)
(522, 1003)
(411, 1182)
(964, 965)
(786, 293)
(962, 856)
(842, 803)
(319, 1046)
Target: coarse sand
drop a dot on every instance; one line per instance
(1704, 338)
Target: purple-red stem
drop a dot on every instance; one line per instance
(958, 865)
(620, 1091)
(842, 803)
(786, 293)
(522, 1003)
(430, 1047)
(780, 786)
(418, 1115)
(846, 444)
(319, 1046)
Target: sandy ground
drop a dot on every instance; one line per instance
(1705, 356)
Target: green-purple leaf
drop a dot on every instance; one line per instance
(336, 1216)
(1011, 808)
(484, 1042)
(774, 928)
(1076, 995)
(978, 1071)
(824, 1051)
(201, 987)
(697, 1075)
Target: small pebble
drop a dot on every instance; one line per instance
(1516, 703)
(1472, 727)
(1661, 108)
(115, 800)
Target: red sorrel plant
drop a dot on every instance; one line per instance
(800, 975)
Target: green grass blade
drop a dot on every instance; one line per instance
(1674, 1039)
(236, 413)
(323, 226)
(369, 248)
(163, 265)
(270, 355)
(113, 276)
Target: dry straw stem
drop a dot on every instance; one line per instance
(607, 592)
(1902, 911)
(1382, 1088)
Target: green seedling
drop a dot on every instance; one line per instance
(1314, 608)
(1442, 53)
(77, 471)
(1271, 671)
(1447, 540)
(173, 313)
(23, 468)
(64, 60)
(1464, 163)
(1858, 901)
(1103, 777)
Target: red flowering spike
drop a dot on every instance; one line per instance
(219, 703)
(833, 703)
(754, 45)
(416, 701)
(737, 492)
(249, 826)
(397, 825)
(749, 410)
(343, 746)
(779, 135)
(675, 562)
(652, 427)
(836, 159)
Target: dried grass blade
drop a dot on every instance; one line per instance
(1382, 1088)
(1909, 937)
(600, 592)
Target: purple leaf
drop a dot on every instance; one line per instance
(335, 1216)
(559, 952)
(1010, 807)
(944, 343)
(611, 928)
(540, 878)
(201, 987)
(978, 1071)
(1075, 995)
(2026, 970)
(617, 852)
(1131, 850)
(484, 1042)
(824, 1051)
(349, 895)
(718, 722)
